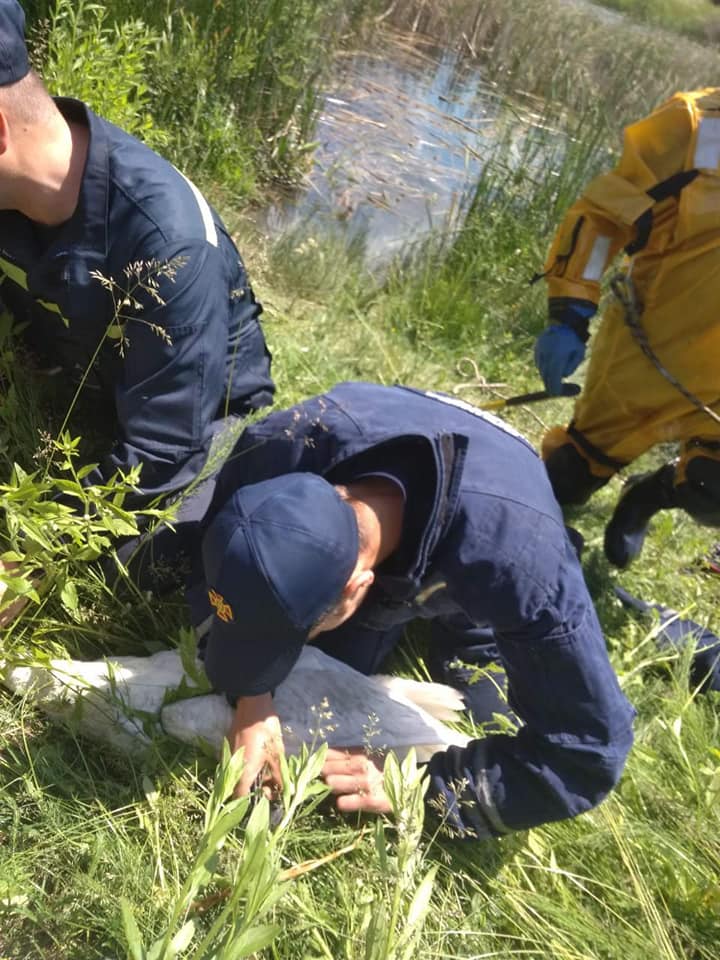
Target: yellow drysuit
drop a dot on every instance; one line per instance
(663, 198)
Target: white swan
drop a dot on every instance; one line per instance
(124, 700)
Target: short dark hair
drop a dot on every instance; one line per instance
(27, 100)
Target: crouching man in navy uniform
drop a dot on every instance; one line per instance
(171, 336)
(340, 520)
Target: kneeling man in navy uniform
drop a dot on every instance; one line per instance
(342, 519)
(123, 277)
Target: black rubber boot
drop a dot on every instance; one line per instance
(643, 497)
(699, 493)
(570, 476)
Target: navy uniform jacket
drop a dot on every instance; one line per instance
(136, 207)
(482, 537)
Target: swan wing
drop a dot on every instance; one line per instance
(113, 699)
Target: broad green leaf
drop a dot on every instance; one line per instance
(119, 527)
(11, 556)
(18, 474)
(421, 900)
(393, 783)
(227, 775)
(68, 596)
(259, 822)
(288, 81)
(85, 470)
(132, 933)
(20, 586)
(187, 648)
(231, 816)
(250, 941)
(182, 939)
(157, 950)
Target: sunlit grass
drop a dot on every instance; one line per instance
(694, 17)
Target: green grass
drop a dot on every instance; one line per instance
(697, 18)
(640, 876)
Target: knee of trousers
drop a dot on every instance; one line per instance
(571, 477)
(697, 489)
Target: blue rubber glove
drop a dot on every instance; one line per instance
(558, 351)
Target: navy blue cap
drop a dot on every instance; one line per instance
(14, 63)
(276, 557)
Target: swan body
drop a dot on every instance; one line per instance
(124, 700)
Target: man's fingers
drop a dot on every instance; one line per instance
(339, 762)
(359, 803)
(256, 730)
(248, 783)
(346, 783)
(356, 782)
(271, 791)
(268, 778)
(271, 779)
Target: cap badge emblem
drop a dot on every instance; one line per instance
(222, 608)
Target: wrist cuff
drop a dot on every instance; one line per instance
(572, 313)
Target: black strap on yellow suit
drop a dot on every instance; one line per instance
(561, 260)
(661, 191)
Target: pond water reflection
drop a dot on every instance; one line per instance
(403, 136)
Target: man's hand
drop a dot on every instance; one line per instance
(558, 352)
(256, 727)
(356, 780)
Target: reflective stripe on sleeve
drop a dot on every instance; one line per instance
(205, 212)
(486, 804)
(707, 145)
(595, 266)
(476, 412)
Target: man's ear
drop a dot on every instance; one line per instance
(359, 580)
(4, 133)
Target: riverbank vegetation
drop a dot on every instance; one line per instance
(102, 856)
(697, 18)
(226, 90)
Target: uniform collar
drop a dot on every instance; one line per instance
(432, 484)
(87, 229)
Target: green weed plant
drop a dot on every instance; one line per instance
(81, 53)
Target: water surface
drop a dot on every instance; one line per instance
(403, 135)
